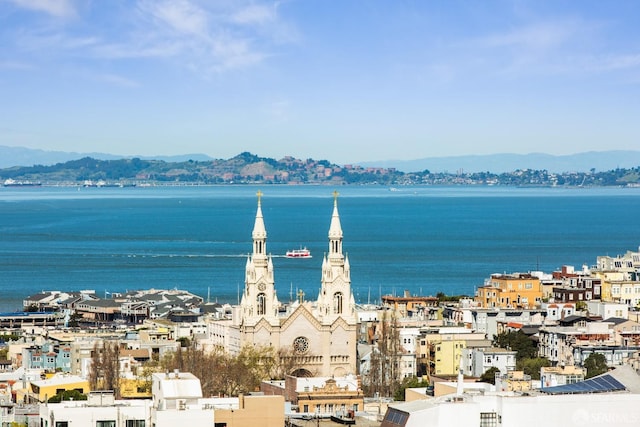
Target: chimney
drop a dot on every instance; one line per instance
(459, 385)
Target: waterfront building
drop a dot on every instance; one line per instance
(30, 322)
(518, 290)
(55, 300)
(321, 337)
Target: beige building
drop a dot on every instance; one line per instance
(253, 411)
(319, 396)
(319, 337)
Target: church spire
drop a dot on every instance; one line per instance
(335, 231)
(335, 298)
(259, 299)
(259, 233)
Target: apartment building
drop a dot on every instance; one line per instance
(518, 290)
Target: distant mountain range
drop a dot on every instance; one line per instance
(495, 163)
(21, 156)
(499, 163)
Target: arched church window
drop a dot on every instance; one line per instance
(262, 304)
(337, 302)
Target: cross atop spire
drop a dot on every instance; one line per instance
(259, 194)
(335, 196)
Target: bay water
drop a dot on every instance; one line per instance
(421, 239)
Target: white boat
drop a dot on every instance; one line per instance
(298, 253)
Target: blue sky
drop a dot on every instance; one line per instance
(340, 80)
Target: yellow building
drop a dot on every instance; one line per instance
(45, 389)
(607, 278)
(135, 388)
(445, 356)
(519, 290)
(616, 287)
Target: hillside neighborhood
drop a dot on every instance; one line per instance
(247, 168)
(534, 336)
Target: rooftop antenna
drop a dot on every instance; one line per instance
(208, 294)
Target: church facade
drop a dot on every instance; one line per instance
(318, 337)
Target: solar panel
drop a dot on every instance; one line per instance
(601, 384)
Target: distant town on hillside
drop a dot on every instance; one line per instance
(248, 168)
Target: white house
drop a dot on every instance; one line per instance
(478, 360)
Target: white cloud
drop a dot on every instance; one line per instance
(205, 37)
(254, 14)
(179, 15)
(57, 8)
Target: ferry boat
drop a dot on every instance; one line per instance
(298, 253)
(12, 183)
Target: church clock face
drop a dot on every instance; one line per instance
(300, 345)
(262, 287)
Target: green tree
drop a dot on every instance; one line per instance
(517, 341)
(409, 382)
(595, 364)
(531, 366)
(67, 395)
(489, 375)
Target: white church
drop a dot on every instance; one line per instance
(320, 335)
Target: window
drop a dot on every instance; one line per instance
(106, 423)
(262, 304)
(135, 423)
(337, 302)
(300, 345)
(305, 408)
(488, 419)
(62, 423)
